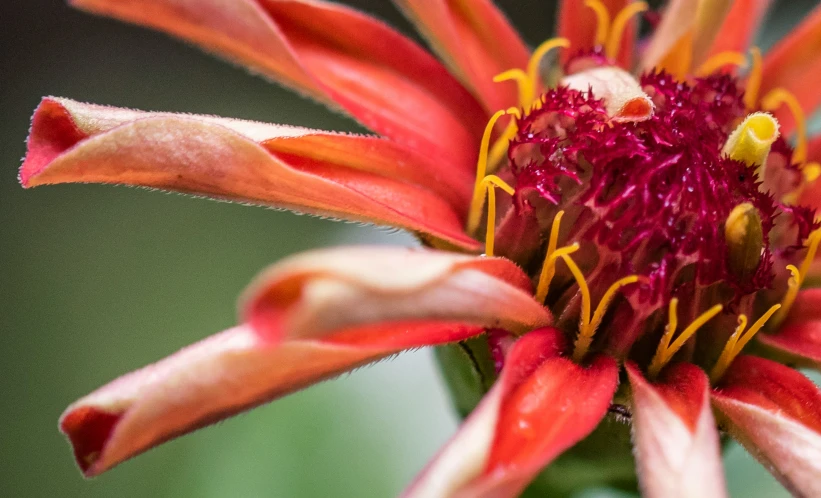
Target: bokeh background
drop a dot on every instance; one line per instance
(96, 281)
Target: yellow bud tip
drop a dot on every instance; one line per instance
(745, 239)
(750, 142)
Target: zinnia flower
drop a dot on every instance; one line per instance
(657, 221)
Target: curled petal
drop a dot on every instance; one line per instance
(541, 405)
(792, 62)
(476, 42)
(320, 314)
(677, 446)
(740, 26)
(361, 178)
(578, 23)
(624, 98)
(333, 53)
(775, 412)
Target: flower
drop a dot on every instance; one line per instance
(672, 189)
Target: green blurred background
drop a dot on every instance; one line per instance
(96, 281)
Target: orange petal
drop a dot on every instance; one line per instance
(685, 34)
(794, 63)
(475, 40)
(541, 405)
(332, 53)
(309, 318)
(360, 178)
(677, 447)
(775, 412)
(577, 23)
(740, 26)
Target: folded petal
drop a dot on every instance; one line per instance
(775, 412)
(577, 23)
(541, 405)
(352, 177)
(475, 40)
(677, 447)
(792, 63)
(740, 26)
(315, 316)
(332, 53)
(800, 336)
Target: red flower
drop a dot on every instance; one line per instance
(669, 196)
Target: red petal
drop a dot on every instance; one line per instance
(793, 63)
(677, 447)
(373, 180)
(332, 53)
(800, 337)
(741, 25)
(775, 412)
(475, 40)
(577, 23)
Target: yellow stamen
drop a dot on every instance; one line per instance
(490, 182)
(751, 140)
(477, 203)
(797, 278)
(536, 60)
(499, 148)
(588, 330)
(603, 17)
(549, 267)
(669, 331)
(617, 28)
(716, 62)
(737, 341)
(753, 80)
(666, 351)
(523, 82)
(773, 101)
(811, 171)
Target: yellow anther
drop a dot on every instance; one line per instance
(666, 351)
(716, 62)
(603, 17)
(478, 202)
(753, 79)
(617, 28)
(751, 140)
(499, 148)
(744, 235)
(489, 183)
(536, 60)
(773, 101)
(797, 278)
(523, 83)
(737, 341)
(548, 267)
(811, 171)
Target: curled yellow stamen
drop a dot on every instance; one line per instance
(750, 142)
(489, 183)
(719, 60)
(548, 267)
(737, 341)
(666, 351)
(499, 148)
(587, 331)
(753, 79)
(477, 203)
(797, 278)
(773, 101)
(523, 83)
(536, 60)
(603, 17)
(619, 24)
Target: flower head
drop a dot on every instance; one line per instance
(655, 218)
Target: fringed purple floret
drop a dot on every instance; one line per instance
(652, 196)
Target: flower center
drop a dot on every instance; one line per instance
(659, 197)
